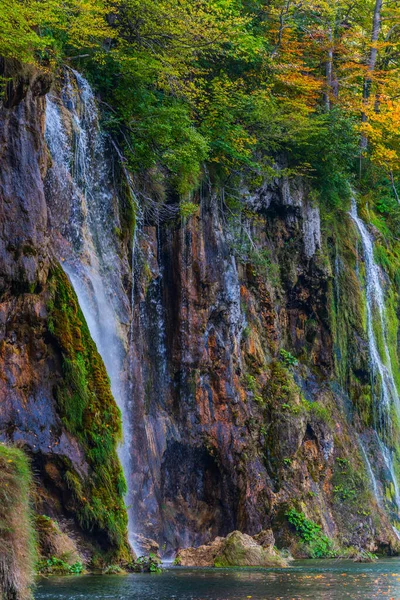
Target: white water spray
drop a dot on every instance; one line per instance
(382, 370)
(89, 256)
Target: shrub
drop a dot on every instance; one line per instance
(147, 564)
(318, 544)
(57, 566)
(113, 570)
(188, 209)
(288, 358)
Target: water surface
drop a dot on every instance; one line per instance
(319, 580)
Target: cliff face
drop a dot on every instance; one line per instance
(238, 346)
(50, 369)
(233, 429)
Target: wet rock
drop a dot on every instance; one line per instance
(266, 539)
(236, 550)
(241, 550)
(145, 546)
(203, 556)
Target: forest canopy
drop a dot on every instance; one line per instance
(234, 84)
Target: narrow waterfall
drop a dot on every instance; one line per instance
(385, 393)
(80, 179)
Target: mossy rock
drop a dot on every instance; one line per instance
(55, 543)
(241, 550)
(89, 412)
(17, 536)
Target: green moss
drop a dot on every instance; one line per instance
(348, 304)
(187, 209)
(88, 411)
(320, 411)
(281, 390)
(350, 485)
(17, 536)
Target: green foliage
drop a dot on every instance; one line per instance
(57, 566)
(329, 165)
(147, 564)
(188, 209)
(288, 359)
(41, 32)
(319, 545)
(112, 570)
(89, 412)
(228, 82)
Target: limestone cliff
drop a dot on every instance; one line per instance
(54, 396)
(240, 339)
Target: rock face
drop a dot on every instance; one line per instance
(245, 357)
(49, 366)
(236, 550)
(231, 428)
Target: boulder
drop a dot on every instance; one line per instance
(241, 550)
(145, 546)
(266, 539)
(236, 550)
(203, 556)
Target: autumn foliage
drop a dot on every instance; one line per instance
(231, 83)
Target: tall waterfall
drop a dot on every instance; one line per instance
(385, 393)
(81, 184)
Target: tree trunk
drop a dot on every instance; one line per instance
(329, 71)
(373, 56)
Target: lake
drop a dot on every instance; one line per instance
(319, 580)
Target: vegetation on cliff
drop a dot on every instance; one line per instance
(17, 536)
(89, 412)
(233, 83)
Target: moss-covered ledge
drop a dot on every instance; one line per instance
(89, 412)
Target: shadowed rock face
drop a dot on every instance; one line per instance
(28, 364)
(24, 253)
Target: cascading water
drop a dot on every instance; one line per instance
(385, 393)
(80, 179)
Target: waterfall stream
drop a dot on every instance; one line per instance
(385, 394)
(80, 179)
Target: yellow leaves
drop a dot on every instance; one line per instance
(382, 130)
(32, 30)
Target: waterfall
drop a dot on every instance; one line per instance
(385, 394)
(83, 194)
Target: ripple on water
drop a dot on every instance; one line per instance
(319, 580)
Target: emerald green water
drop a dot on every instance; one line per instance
(319, 580)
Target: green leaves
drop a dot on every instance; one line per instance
(319, 545)
(41, 32)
